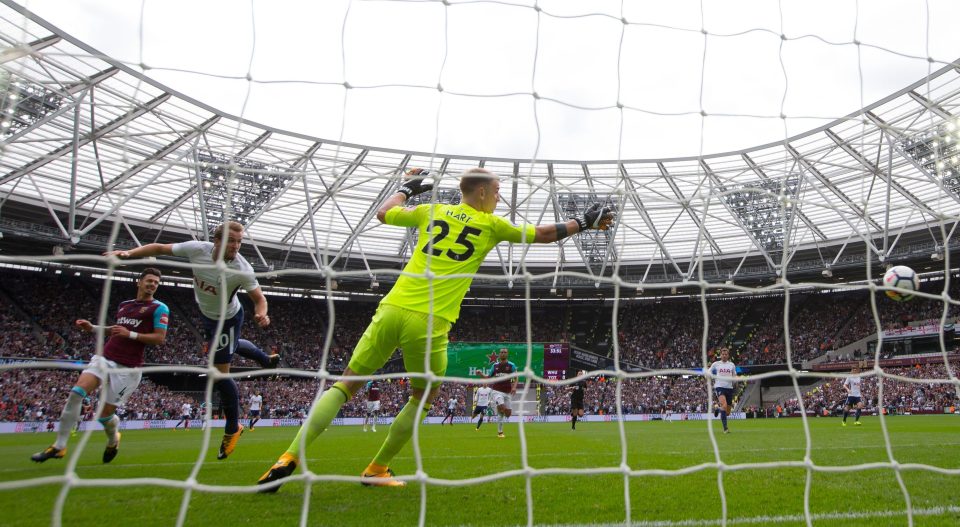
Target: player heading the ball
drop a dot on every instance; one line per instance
(222, 336)
(453, 240)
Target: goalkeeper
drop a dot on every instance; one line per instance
(453, 240)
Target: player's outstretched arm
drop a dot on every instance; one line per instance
(150, 249)
(413, 186)
(597, 217)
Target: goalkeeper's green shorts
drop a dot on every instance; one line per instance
(394, 327)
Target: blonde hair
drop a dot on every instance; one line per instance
(475, 177)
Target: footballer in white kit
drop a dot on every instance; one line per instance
(724, 371)
(851, 385)
(186, 412)
(483, 401)
(256, 402)
(451, 410)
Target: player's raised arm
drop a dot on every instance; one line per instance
(597, 217)
(150, 249)
(413, 186)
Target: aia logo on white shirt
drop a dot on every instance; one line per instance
(209, 289)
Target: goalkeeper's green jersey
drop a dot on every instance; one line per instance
(462, 236)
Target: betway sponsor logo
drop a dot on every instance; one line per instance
(126, 321)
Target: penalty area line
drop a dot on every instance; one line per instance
(787, 518)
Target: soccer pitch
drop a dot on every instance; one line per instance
(760, 496)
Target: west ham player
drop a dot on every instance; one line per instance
(208, 290)
(451, 410)
(256, 401)
(373, 404)
(86, 413)
(186, 412)
(139, 323)
(503, 390)
(483, 399)
(453, 240)
(851, 385)
(576, 404)
(724, 370)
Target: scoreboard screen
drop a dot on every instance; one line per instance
(556, 361)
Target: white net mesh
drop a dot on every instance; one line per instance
(93, 142)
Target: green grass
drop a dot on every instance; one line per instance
(459, 452)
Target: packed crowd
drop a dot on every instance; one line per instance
(897, 394)
(39, 395)
(38, 320)
(661, 335)
(639, 396)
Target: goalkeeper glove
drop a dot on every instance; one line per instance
(596, 217)
(416, 186)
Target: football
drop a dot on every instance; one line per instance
(902, 277)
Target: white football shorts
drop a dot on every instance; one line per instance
(120, 381)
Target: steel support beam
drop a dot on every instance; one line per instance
(84, 140)
(312, 209)
(893, 137)
(150, 161)
(796, 210)
(74, 158)
(384, 193)
(929, 105)
(634, 198)
(189, 193)
(297, 176)
(876, 171)
(716, 180)
(123, 200)
(72, 90)
(808, 166)
(22, 51)
(684, 203)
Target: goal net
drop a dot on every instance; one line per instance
(765, 168)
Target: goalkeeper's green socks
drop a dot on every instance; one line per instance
(320, 417)
(399, 433)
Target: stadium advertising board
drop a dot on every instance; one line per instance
(471, 359)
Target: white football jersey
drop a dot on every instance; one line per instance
(854, 384)
(452, 404)
(206, 282)
(255, 402)
(721, 370)
(483, 396)
(186, 409)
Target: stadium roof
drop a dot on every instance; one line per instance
(90, 140)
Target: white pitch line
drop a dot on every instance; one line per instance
(319, 461)
(755, 520)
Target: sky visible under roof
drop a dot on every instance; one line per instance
(491, 57)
